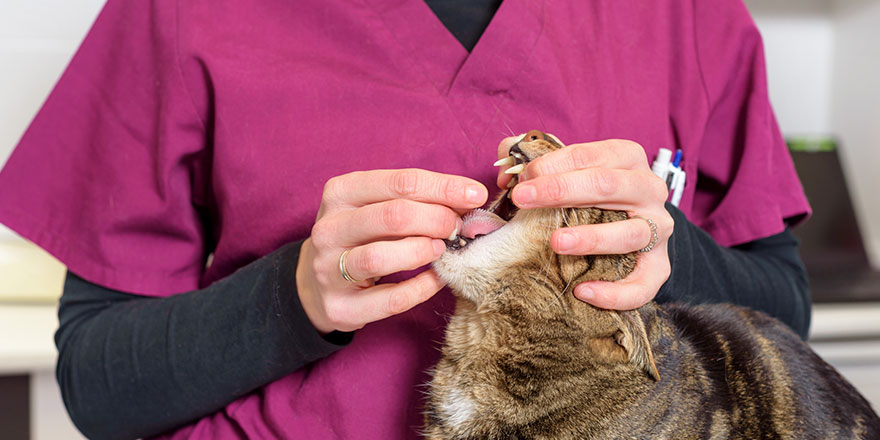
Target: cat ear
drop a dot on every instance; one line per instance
(634, 339)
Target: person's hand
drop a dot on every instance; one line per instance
(388, 221)
(611, 174)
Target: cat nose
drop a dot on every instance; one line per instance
(535, 135)
(531, 136)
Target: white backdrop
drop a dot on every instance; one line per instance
(37, 39)
(823, 65)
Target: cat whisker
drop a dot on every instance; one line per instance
(501, 116)
(505, 123)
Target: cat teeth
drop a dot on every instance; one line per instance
(509, 160)
(457, 243)
(511, 184)
(516, 169)
(453, 235)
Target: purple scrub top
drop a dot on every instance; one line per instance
(184, 128)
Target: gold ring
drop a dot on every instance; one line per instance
(342, 269)
(654, 237)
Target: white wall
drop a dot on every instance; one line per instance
(37, 39)
(823, 66)
(856, 109)
(798, 41)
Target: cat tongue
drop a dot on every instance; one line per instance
(480, 222)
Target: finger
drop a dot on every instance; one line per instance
(384, 300)
(368, 187)
(619, 237)
(613, 153)
(634, 291)
(385, 220)
(601, 187)
(382, 258)
(504, 151)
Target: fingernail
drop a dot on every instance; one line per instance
(584, 292)
(565, 241)
(473, 194)
(525, 194)
(439, 247)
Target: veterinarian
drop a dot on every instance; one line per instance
(199, 169)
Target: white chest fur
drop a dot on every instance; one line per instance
(457, 408)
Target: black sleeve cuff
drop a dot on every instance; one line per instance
(306, 343)
(133, 366)
(764, 274)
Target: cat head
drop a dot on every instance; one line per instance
(502, 263)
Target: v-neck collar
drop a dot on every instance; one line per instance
(461, 78)
(494, 61)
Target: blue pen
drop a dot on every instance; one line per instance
(678, 178)
(677, 161)
(673, 170)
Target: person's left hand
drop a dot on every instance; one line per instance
(610, 174)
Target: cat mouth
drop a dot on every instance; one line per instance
(481, 222)
(484, 221)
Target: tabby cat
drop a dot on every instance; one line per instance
(524, 359)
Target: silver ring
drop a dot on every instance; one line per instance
(654, 237)
(342, 269)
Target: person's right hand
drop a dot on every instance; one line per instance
(391, 221)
